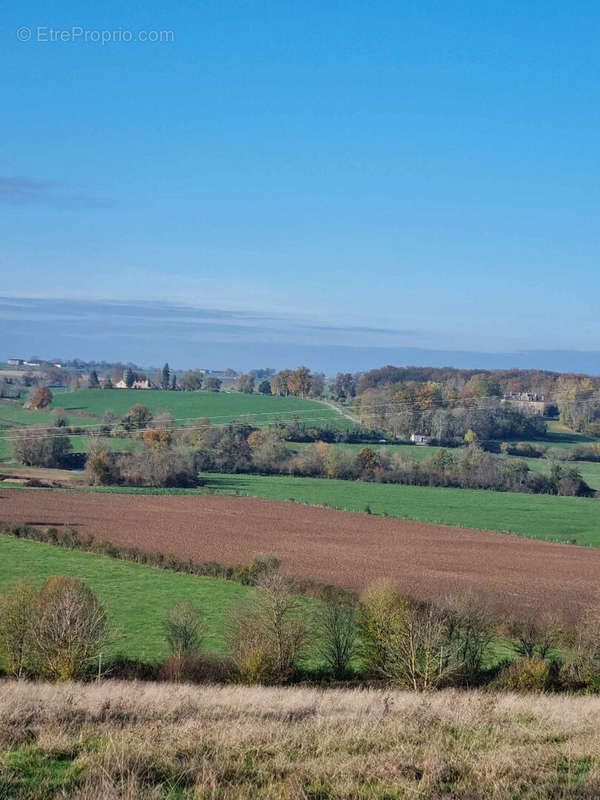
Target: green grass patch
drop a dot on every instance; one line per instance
(219, 407)
(28, 773)
(136, 597)
(13, 416)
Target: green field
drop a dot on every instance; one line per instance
(589, 470)
(557, 519)
(218, 407)
(558, 435)
(136, 597)
(13, 416)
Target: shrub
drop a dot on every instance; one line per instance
(268, 635)
(196, 668)
(101, 468)
(17, 618)
(336, 632)
(529, 675)
(184, 628)
(70, 628)
(37, 446)
(138, 417)
(404, 639)
(167, 468)
(158, 439)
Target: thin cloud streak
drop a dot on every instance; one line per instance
(19, 191)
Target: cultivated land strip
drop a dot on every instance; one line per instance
(511, 574)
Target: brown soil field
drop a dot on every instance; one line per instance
(509, 573)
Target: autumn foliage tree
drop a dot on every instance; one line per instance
(137, 418)
(41, 397)
(158, 439)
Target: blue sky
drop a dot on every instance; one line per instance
(382, 174)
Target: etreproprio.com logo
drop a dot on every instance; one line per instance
(78, 34)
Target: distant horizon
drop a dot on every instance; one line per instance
(187, 337)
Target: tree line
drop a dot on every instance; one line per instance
(276, 636)
(173, 458)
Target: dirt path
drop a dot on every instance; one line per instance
(352, 550)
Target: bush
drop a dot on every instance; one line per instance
(268, 635)
(17, 619)
(196, 668)
(529, 675)
(70, 628)
(37, 446)
(41, 397)
(336, 633)
(101, 468)
(184, 628)
(53, 632)
(167, 468)
(138, 417)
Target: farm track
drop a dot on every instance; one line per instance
(510, 574)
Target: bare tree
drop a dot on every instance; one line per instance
(184, 627)
(404, 640)
(37, 446)
(337, 638)
(70, 629)
(269, 635)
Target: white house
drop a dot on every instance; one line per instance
(145, 384)
(419, 438)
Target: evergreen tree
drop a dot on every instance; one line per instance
(108, 384)
(174, 383)
(93, 382)
(165, 377)
(129, 378)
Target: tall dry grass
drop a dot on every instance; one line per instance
(141, 740)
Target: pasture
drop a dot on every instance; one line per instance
(218, 407)
(136, 597)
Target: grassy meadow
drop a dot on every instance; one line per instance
(149, 740)
(136, 597)
(86, 407)
(218, 407)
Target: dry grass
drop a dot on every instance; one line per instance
(128, 740)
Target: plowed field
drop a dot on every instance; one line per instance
(353, 550)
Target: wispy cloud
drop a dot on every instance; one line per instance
(187, 322)
(19, 191)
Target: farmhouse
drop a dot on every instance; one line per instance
(420, 439)
(527, 402)
(137, 384)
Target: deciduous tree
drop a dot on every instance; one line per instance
(41, 397)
